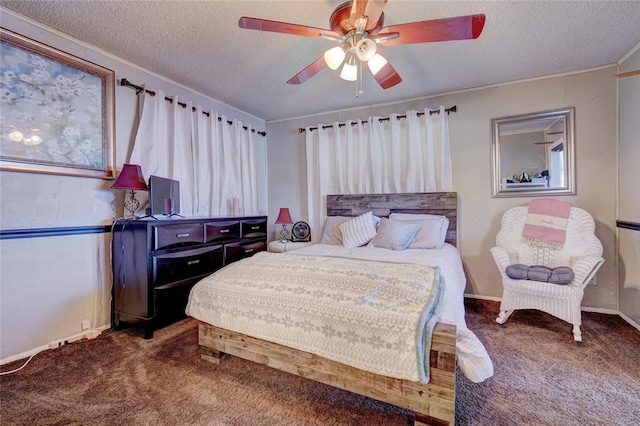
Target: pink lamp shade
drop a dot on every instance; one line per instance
(130, 178)
(284, 218)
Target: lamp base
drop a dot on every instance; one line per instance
(131, 204)
(283, 234)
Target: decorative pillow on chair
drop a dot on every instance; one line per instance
(561, 275)
(539, 273)
(517, 271)
(358, 231)
(394, 235)
(433, 229)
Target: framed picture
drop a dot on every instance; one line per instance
(57, 111)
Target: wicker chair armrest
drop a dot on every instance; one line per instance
(502, 259)
(584, 268)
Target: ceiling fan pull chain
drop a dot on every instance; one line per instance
(359, 90)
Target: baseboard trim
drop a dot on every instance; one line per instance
(629, 320)
(476, 296)
(583, 308)
(56, 344)
(599, 310)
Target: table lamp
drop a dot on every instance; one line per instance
(284, 219)
(131, 178)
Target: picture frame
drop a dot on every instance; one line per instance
(57, 111)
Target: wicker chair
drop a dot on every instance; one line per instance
(582, 252)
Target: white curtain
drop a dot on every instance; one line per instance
(380, 156)
(214, 161)
(226, 166)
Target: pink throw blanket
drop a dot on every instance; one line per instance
(546, 223)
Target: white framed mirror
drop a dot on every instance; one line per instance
(534, 154)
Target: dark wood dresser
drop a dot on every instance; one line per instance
(156, 263)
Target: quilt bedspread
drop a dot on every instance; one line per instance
(372, 315)
(471, 355)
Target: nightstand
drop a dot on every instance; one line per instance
(279, 247)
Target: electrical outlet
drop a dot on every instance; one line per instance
(85, 324)
(593, 281)
(58, 343)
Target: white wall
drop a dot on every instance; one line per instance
(592, 93)
(48, 284)
(629, 189)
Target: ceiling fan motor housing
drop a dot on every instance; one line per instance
(340, 20)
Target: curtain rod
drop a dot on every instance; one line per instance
(126, 83)
(381, 119)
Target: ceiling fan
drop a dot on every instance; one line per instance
(358, 26)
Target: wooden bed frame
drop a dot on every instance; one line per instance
(434, 402)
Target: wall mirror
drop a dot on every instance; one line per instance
(533, 154)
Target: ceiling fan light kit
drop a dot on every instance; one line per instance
(376, 63)
(358, 26)
(334, 57)
(365, 49)
(349, 69)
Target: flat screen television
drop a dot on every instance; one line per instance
(164, 196)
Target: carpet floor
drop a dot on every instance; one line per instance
(542, 377)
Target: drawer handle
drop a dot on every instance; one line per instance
(224, 231)
(248, 250)
(182, 235)
(193, 262)
(255, 227)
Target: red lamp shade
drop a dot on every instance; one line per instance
(130, 178)
(284, 218)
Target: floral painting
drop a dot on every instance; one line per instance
(56, 109)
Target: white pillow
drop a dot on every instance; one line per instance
(394, 235)
(358, 231)
(331, 232)
(433, 229)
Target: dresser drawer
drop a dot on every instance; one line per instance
(219, 231)
(165, 236)
(253, 228)
(240, 250)
(173, 267)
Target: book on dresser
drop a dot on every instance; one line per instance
(155, 263)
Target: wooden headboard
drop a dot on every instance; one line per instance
(439, 203)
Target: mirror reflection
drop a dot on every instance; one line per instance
(533, 154)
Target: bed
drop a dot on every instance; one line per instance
(448, 343)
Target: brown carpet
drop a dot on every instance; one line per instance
(541, 378)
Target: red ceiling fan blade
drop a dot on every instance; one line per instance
(458, 28)
(372, 9)
(283, 27)
(312, 69)
(387, 76)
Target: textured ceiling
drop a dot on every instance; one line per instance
(199, 45)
